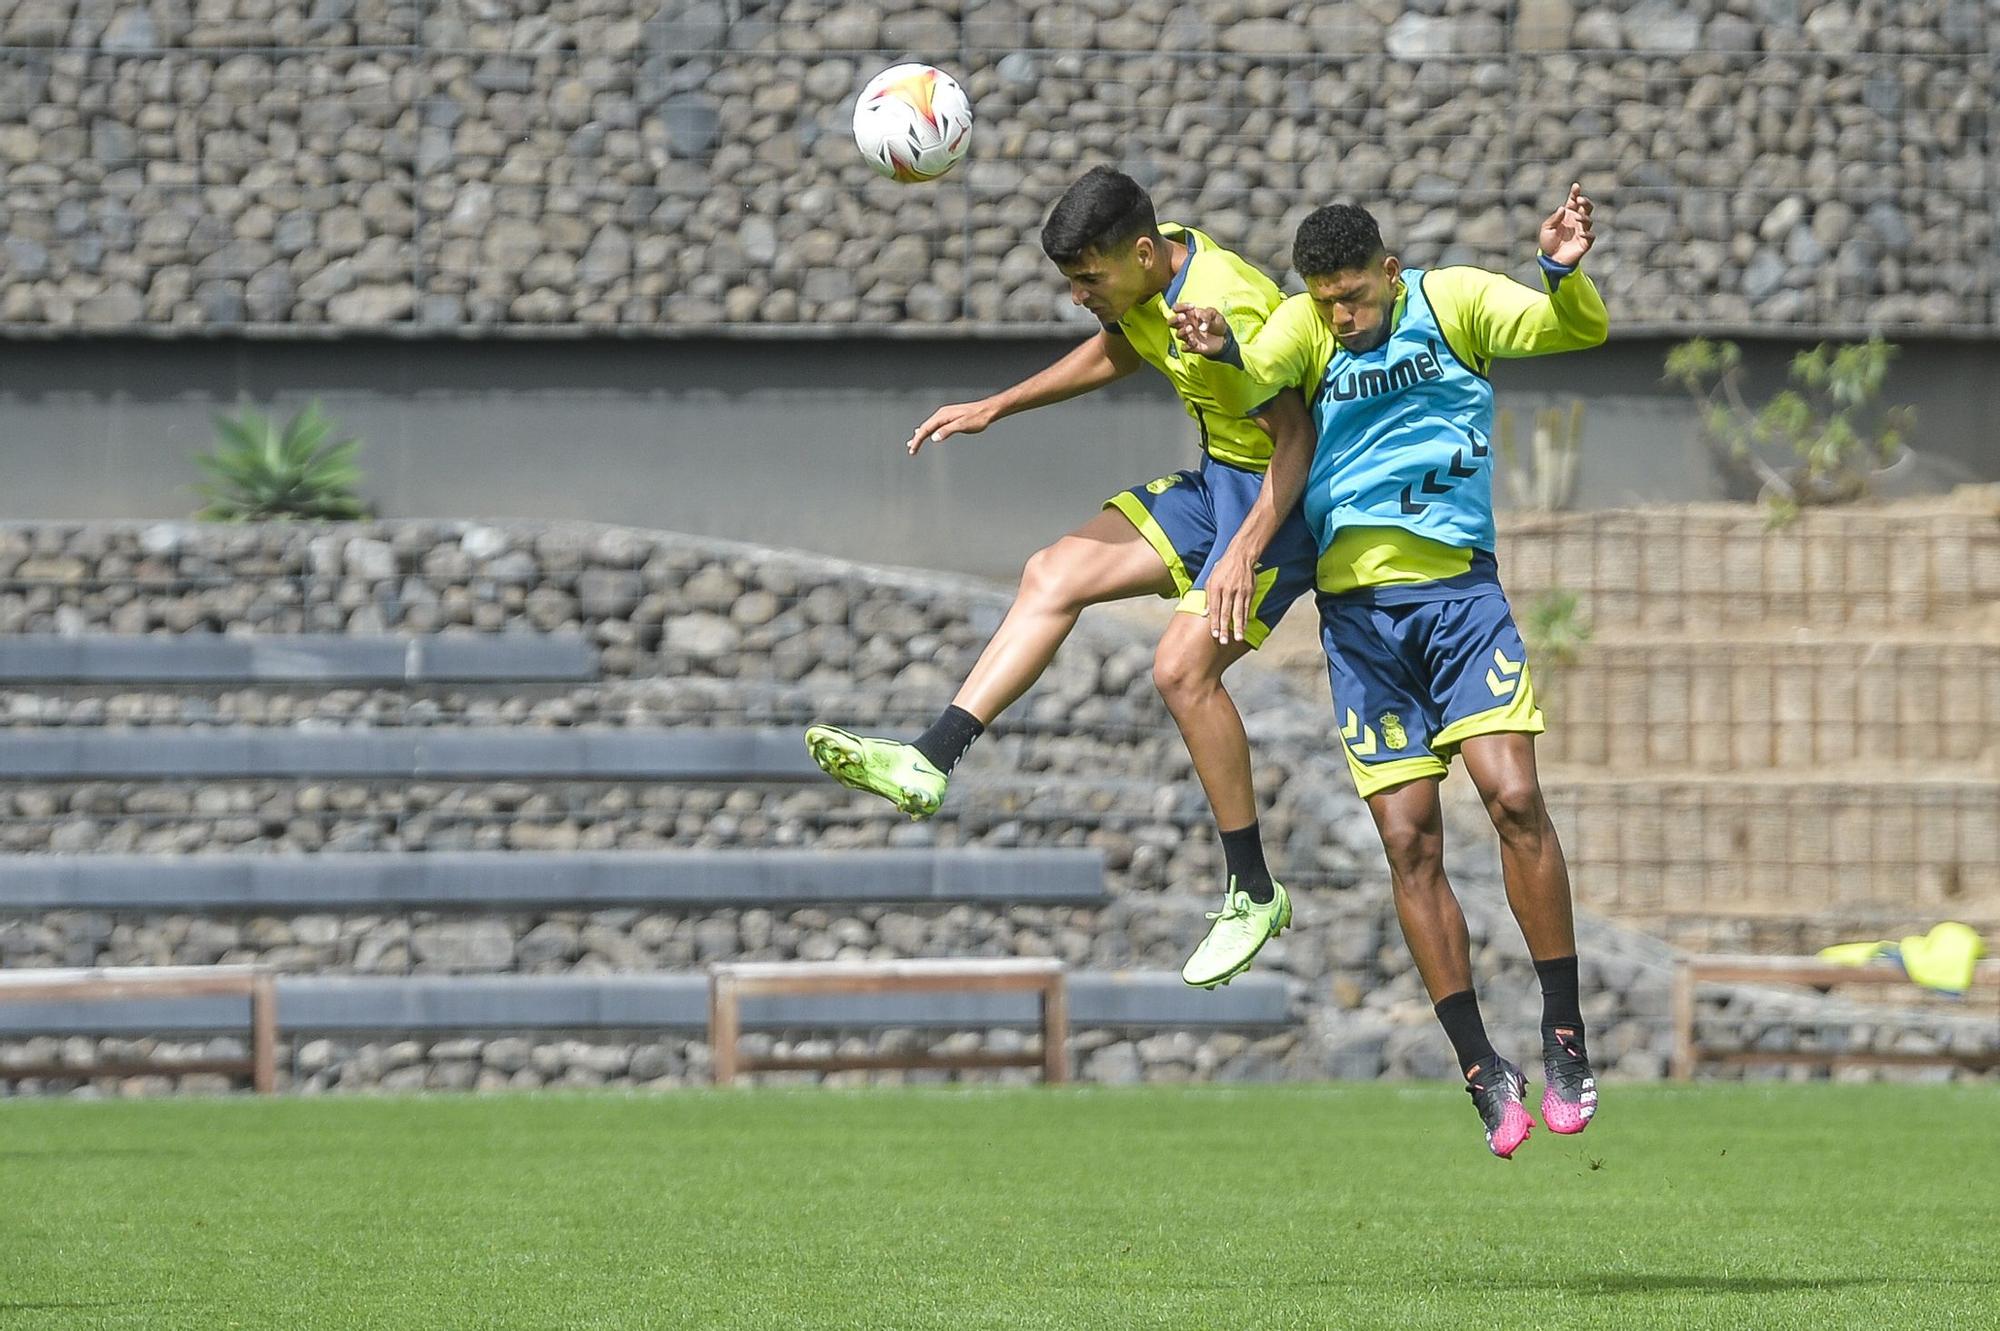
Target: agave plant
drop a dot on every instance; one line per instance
(263, 473)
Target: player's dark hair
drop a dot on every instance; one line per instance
(1334, 239)
(1105, 210)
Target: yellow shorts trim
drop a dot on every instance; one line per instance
(1255, 630)
(1156, 536)
(1374, 778)
(1518, 714)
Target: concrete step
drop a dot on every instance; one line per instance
(671, 701)
(220, 658)
(401, 753)
(520, 880)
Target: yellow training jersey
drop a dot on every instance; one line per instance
(1483, 317)
(1220, 397)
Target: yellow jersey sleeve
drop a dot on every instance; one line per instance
(1291, 350)
(1245, 298)
(1488, 316)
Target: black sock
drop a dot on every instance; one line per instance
(1561, 1008)
(1459, 1014)
(1243, 853)
(949, 737)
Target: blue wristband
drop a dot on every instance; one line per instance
(1231, 354)
(1556, 271)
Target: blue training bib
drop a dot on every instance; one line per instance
(1405, 437)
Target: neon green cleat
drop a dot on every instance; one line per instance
(885, 767)
(1241, 928)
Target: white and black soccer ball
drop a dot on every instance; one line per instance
(913, 122)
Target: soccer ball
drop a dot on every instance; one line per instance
(913, 122)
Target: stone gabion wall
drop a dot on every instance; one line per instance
(704, 632)
(327, 165)
(1359, 1008)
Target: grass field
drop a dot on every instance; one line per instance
(1354, 1206)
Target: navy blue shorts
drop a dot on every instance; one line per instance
(1413, 681)
(1190, 517)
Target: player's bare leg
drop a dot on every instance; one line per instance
(1502, 768)
(1410, 819)
(1106, 559)
(1187, 669)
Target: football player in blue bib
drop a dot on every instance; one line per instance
(1423, 654)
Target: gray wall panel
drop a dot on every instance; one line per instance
(793, 444)
(227, 658)
(564, 880)
(251, 752)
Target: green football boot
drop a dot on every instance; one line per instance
(1241, 928)
(885, 767)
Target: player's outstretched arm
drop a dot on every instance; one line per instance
(1095, 363)
(1232, 583)
(1567, 233)
(1496, 318)
(1289, 348)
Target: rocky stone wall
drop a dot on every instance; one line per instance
(480, 165)
(704, 632)
(1359, 1008)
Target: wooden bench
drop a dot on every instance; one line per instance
(731, 982)
(1690, 972)
(149, 982)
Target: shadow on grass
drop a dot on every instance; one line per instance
(1636, 1282)
(1642, 1282)
(79, 1305)
(96, 1153)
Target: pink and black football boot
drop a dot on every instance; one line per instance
(1497, 1087)
(1569, 1087)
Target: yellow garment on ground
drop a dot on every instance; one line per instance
(1943, 959)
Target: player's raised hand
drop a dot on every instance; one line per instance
(958, 418)
(1566, 233)
(1199, 329)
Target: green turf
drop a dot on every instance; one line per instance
(1363, 1206)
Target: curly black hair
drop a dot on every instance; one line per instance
(1105, 210)
(1335, 239)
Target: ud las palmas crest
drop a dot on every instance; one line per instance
(1392, 731)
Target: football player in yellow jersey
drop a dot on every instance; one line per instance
(1166, 537)
(1423, 654)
